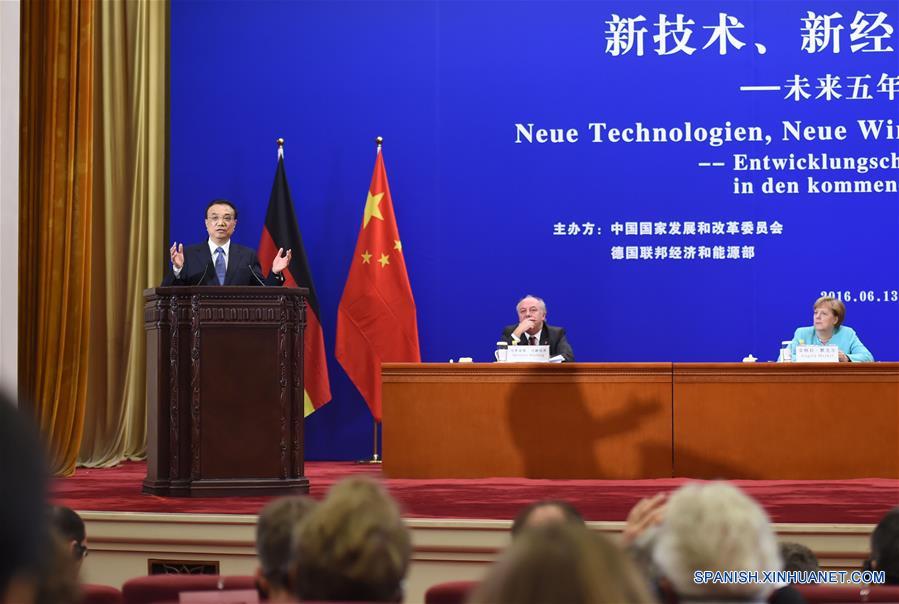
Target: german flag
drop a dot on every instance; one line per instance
(282, 231)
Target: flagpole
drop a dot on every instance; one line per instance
(375, 458)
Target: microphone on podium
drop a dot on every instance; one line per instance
(203, 276)
(250, 266)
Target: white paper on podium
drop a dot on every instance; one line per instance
(528, 354)
(810, 353)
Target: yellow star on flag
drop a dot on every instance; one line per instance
(372, 208)
(397, 245)
(366, 257)
(384, 260)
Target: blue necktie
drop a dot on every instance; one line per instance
(220, 265)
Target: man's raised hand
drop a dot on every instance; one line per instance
(280, 262)
(177, 254)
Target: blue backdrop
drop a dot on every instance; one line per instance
(622, 238)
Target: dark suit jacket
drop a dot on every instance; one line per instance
(553, 336)
(199, 268)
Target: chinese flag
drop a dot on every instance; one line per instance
(376, 317)
(281, 231)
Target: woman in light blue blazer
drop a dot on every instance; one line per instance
(829, 329)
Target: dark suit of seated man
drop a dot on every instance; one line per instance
(232, 264)
(532, 329)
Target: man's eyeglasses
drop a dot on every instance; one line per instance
(80, 551)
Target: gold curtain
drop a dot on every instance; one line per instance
(128, 222)
(56, 206)
(92, 200)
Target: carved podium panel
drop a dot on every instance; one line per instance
(225, 390)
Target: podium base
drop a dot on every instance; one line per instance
(249, 487)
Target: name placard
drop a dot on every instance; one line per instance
(528, 354)
(817, 354)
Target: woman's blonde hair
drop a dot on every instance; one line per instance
(354, 546)
(562, 563)
(837, 306)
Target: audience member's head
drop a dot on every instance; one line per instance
(274, 540)
(548, 511)
(70, 528)
(353, 546)
(715, 527)
(885, 547)
(58, 573)
(797, 557)
(561, 562)
(23, 521)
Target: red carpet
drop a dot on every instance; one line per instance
(859, 501)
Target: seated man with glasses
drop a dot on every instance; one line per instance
(219, 261)
(533, 330)
(70, 527)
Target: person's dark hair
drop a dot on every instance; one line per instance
(23, 517)
(798, 557)
(274, 536)
(572, 516)
(885, 546)
(68, 523)
(223, 202)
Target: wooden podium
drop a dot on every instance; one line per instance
(225, 391)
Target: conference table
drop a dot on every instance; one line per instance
(641, 420)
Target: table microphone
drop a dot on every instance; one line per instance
(250, 266)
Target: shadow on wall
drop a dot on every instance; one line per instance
(559, 434)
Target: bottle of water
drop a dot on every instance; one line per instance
(786, 355)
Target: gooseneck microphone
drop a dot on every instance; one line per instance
(203, 276)
(250, 266)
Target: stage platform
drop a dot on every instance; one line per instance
(458, 525)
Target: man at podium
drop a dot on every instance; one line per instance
(219, 261)
(533, 330)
